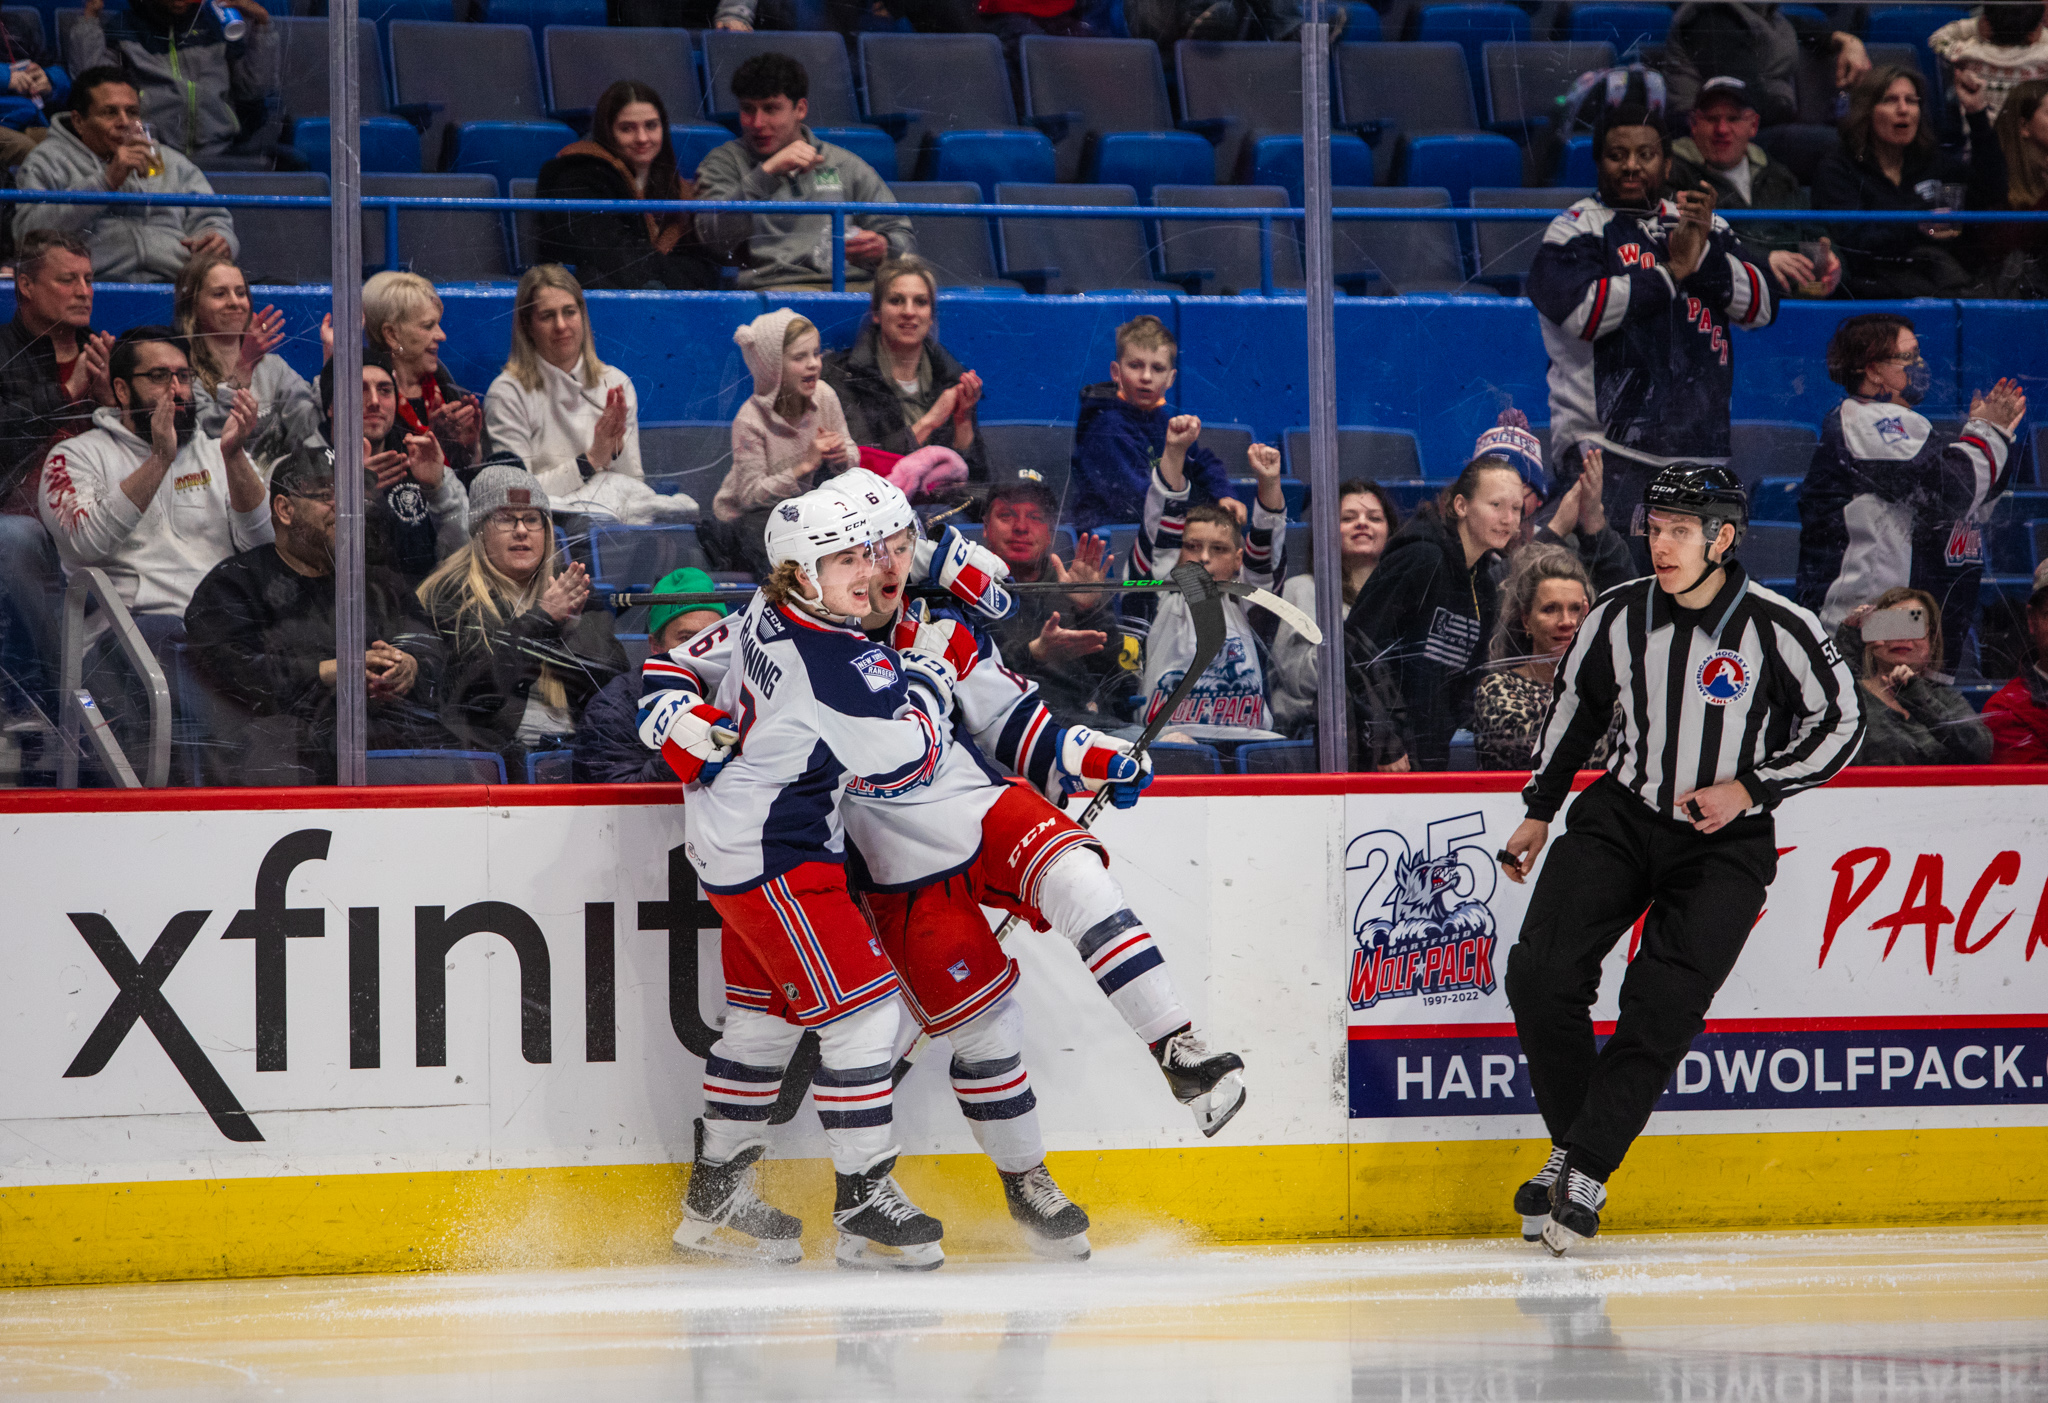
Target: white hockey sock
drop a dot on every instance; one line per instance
(1085, 904)
(995, 1089)
(854, 1091)
(742, 1078)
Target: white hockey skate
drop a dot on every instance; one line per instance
(1055, 1227)
(1209, 1084)
(724, 1218)
(879, 1228)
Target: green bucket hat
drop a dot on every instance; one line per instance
(686, 581)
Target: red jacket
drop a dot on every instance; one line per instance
(2018, 717)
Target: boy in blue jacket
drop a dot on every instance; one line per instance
(1122, 431)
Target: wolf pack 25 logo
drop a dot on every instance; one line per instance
(1421, 922)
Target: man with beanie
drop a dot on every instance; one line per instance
(261, 627)
(1637, 296)
(608, 745)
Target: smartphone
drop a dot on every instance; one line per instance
(1893, 625)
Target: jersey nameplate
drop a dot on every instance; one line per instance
(760, 671)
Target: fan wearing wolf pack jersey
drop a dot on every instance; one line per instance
(816, 702)
(927, 865)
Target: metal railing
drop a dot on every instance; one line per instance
(839, 210)
(79, 711)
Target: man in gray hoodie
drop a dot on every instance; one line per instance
(201, 90)
(98, 146)
(778, 159)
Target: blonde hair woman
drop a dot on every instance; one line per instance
(234, 347)
(523, 656)
(567, 415)
(402, 326)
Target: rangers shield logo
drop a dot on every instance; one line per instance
(876, 669)
(1722, 677)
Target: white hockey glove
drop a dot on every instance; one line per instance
(1090, 760)
(970, 573)
(935, 675)
(694, 737)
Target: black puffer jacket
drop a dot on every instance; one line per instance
(612, 250)
(492, 669)
(874, 411)
(608, 748)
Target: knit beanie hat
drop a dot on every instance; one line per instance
(1521, 450)
(688, 580)
(503, 485)
(760, 343)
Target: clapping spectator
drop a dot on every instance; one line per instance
(234, 347)
(202, 91)
(629, 156)
(1545, 598)
(900, 388)
(1722, 151)
(1764, 42)
(1366, 517)
(402, 321)
(1919, 719)
(1999, 47)
(789, 436)
(101, 145)
(778, 160)
(1122, 433)
(261, 628)
(1070, 644)
(524, 653)
(1424, 615)
(1888, 501)
(420, 510)
(1888, 161)
(608, 745)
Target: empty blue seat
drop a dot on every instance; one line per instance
(1361, 25)
(1910, 24)
(1761, 448)
(959, 248)
(1277, 757)
(1184, 758)
(435, 767)
(1277, 160)
(693, 143)
(1224, 255)
(1774, 499)
(1381, 256)
(1146, 160)
(1075, 255)
(1579, 166)
(1082, 92)
(1377, 455)
(538, 15)
(1471, 28)
(1238, 94)
(280, 245)
(551, 766)
(1627, 27)
(1506, 249)
(583, 59)
(921, 85)
(1524, 81)
(1460, 160)
(383, 12)
(988, 159)
(385, 144)
(446, 245)
(1770, 550)
(871, 144)
(463, 73)
(507, 151)
(634, 557)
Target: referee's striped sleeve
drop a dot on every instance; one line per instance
(1581, 707)
(1830, 727)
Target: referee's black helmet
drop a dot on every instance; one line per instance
(1705, 490)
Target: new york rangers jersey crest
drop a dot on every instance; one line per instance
(876, 669)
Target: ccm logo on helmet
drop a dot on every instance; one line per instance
(1722, 677)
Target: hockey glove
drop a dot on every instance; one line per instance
(949, 638)
(932, 673)
(1090, 760)
(970, 573)
(694, 737)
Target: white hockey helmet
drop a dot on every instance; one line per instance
(806, 529)
(888, 510)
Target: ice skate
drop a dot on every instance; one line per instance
(1209, 1084)
(879, 1228)
(1532, 1200)
(723, 1216)
(1576, 1199)
(1054, 1225)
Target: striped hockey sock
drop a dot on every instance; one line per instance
(1001, 1110)
(1127, 966)
(856, 1107)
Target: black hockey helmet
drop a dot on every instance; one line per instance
(1708, 491)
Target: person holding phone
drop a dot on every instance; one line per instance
(1917, 718)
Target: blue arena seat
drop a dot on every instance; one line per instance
(446, 245)
(507, 151)
(693, 143)
(1377, 455)
(1524, 82)
(1505, 249)
(1277, 757)
(1224, 255)
(1455, 162)
(302, 68)
(686, 456)
(634, 557)
(585, 59)
(1238, 94)
(435, 767)
(1910, 24)
(1775, 499)
(1472, 27)
(1579, 169)
(1361, 24)
(960, 248)
(385, 145)
(464, 73)
(1771, 448)
(1277, 160)
(989, 159)
(1629, 28)
(920, 85)
(1085, 92)
(1075, 255)
(551, 766)
(1392, 92)
(280, 245)
(525, 229)
(871, 144)
(1387, 256)
(1185, 758)
(1770, 550)
(1147, 160)
(540, 15)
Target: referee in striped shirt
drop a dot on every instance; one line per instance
(1733, 698)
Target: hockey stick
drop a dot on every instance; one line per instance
(1205, 608)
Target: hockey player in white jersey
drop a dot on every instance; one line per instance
(929, 862)
(812, 710)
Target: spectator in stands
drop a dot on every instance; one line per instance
(402, 321)
(1722, 151)
(1071, 645)
(261, 629)
(608, 745)
(2014, 257)
(789, 436)
(777, 159)
(628, 156)
(1121, 434)
(1578, 521)
(2000, 46)
(420, 512)
(202, 91)
(1763, 42)
(1546, 596)
(1889, 502)
(1230, 701)
(1425, 613)
(1638, 298)
(1920, 719)
(524, 654)
(2018, 712)
(900, 388)
(234, 347)
(1366, 517)
(35, 83)
(100, 145)
(1888, 161)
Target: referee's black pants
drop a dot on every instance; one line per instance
(1704, 893)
